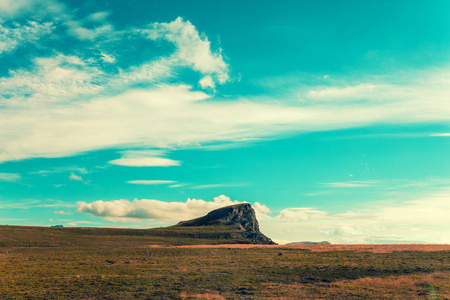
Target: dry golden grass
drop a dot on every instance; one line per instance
(43, 263)
(388, 248)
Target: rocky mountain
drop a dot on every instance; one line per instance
(239, 217)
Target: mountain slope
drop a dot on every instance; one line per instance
(239, 217)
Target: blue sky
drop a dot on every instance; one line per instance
(332, 118)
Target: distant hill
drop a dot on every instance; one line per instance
(310, 243)
(239, 217)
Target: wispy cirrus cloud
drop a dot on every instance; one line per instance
(217, 185)
(353, 184)
(151, 182)
(61, 212)
(11, 177)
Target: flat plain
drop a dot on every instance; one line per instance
(92, 263)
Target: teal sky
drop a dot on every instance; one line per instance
(332, 118)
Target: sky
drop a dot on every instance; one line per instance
(332, 118)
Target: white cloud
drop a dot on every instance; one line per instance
(108, 58)
(301, 214)
(144, 158)
(11, 9)
(192, 48)
(75, 177)
(77, 29)
(60, 170)
(61, 212)
(352, 184)
(98, 16)
(176, 185)
(124, 210)
(58, 79)
(65, 105)
(217, 185)
(423, 220)
(261, 210)
(207, 82)
(441, 134)
(11, 177)
(150, 182)
(13, 37)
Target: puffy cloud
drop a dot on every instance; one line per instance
(261, 210)
(192, 48)
(124, 210)
(207, 82)
(11, 177)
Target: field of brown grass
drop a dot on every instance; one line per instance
(382, 248)
(57, 263)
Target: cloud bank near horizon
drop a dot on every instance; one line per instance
(421, 220)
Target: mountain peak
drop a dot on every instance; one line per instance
(239, 216)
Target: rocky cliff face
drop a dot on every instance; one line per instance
(240, 216)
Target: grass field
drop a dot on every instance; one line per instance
(72, 263)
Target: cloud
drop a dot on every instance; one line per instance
(421, 220)
(441, 134)
(352, 184)
(301, 214)
(75, 177)
(207, 82)
(144, 158)
(63, 104)
(108, 58)
(124, 210)
(11, 9)
(79, 222)
(150, 182)
(217, 185)
(12, 37)
(54, 79)
(193, 49)
(56, 170)
(11, 177)
(61, 212)
(261, 210)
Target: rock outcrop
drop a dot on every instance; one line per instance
(240, 217)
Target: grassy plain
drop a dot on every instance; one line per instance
(73, 263)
